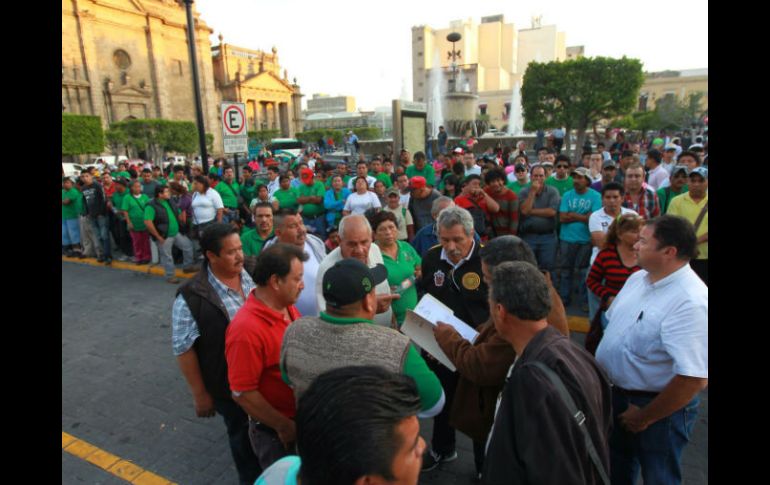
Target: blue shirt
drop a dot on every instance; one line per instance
(426, 238)
(282, 472)
(184, 329)
(583, 204)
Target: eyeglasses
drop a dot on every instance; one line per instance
(562, 166)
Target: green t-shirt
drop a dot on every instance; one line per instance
(252, 242)
(385, 179)
(401, 275)
(121, 174)
(229, 193)
(561, 185)
(315, 190)
(73, 209)
(287, 199)
(117, 199)
(665, 200)
(135, 208)
(427, 172)
(173, 225)
(249, 191)
(162, 180)
(516, 186)
(428, 386)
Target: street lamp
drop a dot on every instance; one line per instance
(196, 85)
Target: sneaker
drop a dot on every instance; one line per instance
(100, 259)
(432, 460)
(190, 269)
(173, 280)
(108, 261)
(69, 253)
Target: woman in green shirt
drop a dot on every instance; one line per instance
(133, 208)
(286, 196)
(401, 260)
(71, 203)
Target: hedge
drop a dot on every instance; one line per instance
(81, 134)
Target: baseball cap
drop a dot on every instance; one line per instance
(671, 146)
(680, 168)
(417, 182)
(349, 281)
(609, 163)
(122, 181)
(306, 174)
(459, 150)
(393, 191)
(702, 171)
(547, 163)
(657, 141)
(582, 171)
(520, 166)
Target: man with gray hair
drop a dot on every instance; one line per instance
(356, 242)
(451, 272)
(483, 364)
(427, 237)
(556, 398)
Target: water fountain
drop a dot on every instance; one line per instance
(460, 113)
(515, 120)
(435, 99)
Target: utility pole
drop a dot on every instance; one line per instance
(196, 85)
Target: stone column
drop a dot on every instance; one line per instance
(158, 73)
(93, 74)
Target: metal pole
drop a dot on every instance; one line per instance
(196, 85)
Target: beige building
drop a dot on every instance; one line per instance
(323, 103)
(124, 59)
(679, 84)
(254, 77)
(493, 58)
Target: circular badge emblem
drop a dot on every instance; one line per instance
(471, 281)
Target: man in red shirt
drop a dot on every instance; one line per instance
(506, 221)
(479, 204)
(253, 347)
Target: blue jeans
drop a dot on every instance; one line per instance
(657, 450)
(544, 247)
(316, 225)
(230, 215)
(573, 256)
(70, 231)
(166, 257)
(237, 423)
(102, 230)
(594, 303)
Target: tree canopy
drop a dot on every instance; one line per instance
(81, 134)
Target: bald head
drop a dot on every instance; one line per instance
(355, 237)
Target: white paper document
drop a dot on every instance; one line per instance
(418, 326)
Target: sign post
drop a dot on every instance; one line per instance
(235, 130)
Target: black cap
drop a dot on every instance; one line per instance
(349, 281)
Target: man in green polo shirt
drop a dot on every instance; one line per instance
(421, 168)
(230, 192)
(345, 335)
(162, 218)
(377, 173)
(311, 196)
(253, 240)
(286, 196)
(133, 207)
(561, 179)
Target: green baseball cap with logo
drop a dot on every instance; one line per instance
(349, 281)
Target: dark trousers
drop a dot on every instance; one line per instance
(444, 438)
(266, 445)
(237, 423)
(122, 237)
(479, 447)
(701, 268)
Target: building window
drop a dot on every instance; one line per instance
(419, 38)
(419, 54)
(121, 59)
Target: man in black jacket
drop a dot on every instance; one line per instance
(163, 220)
(537, 436)
(95, 208)
(202, 311)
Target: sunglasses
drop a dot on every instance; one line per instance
(521, 169)
(562, 166)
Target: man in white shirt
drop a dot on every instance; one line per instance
(275, 183)
(470, 165)
(657, 173)
(290, 229)
(356, 242)
(362, 170)
(655, 351)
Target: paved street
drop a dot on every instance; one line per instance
(122, 391)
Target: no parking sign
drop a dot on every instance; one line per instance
(234, 128)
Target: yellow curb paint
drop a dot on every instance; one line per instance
(145, 268)
(578, 324)
(110, 463)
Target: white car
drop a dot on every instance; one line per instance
(72, 169)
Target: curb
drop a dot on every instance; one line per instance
(154, 269)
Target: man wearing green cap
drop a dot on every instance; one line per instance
(345, 334)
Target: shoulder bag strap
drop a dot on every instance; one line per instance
(577, 414)
(701, 216)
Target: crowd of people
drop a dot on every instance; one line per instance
(302, 278)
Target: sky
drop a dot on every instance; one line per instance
(363, 48)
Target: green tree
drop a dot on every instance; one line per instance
(116, 138)
(81, 134)
(579, 92)
(156, 137)
(677, 114)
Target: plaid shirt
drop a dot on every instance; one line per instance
(184, 329)
(648, 206)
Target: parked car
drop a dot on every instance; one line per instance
(72, 169)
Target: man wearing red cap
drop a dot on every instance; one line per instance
(421, 202)
(311, 196)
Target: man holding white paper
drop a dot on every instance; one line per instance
(451, 273)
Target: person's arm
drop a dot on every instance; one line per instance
(528, 202)
(598, 238)
(492, 206)
(703, 238)
(484, 364)
(128, 220)
(513, 216)
(428, 386)
(220, 214)
(149, 215)
(677, 393)
(259, 409)
(557, 317)
(596, 277)
(188, 364)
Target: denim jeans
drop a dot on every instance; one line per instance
(102, 230)
(657, 450)
(237, 423)
(573, 256)
(316, 225)
(167, 259)
(544, 247)
(230, 215)
(594, 303)
(70, 232)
